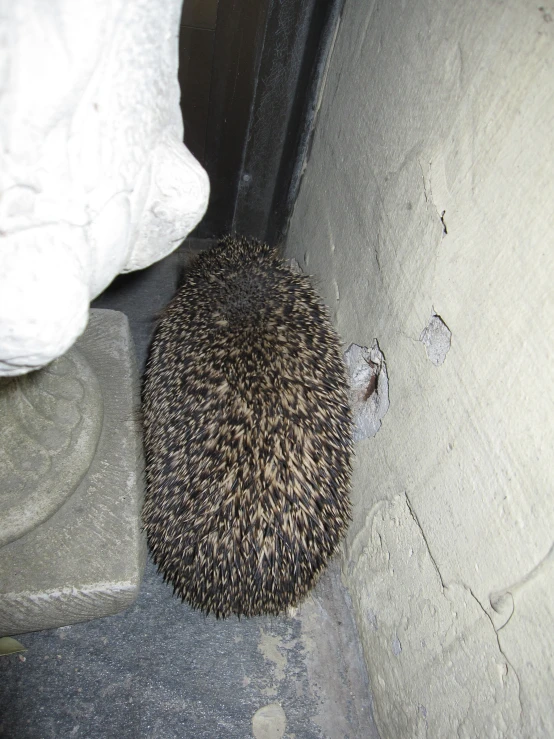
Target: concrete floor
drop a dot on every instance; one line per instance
(162, 670)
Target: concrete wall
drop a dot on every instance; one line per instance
(430, 190)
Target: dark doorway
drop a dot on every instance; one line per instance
(250, 72)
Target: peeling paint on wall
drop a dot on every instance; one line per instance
(436, 337)
(369, 388)
(295, 267)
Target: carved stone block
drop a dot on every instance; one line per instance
(71, 487)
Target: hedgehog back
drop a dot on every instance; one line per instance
(247, 435)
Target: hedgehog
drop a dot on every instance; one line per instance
(247, 434)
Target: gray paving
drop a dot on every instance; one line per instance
(162, 670)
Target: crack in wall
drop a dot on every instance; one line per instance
(433, 560)
(470, 591)
(429, 199)
(367, 25)
(508, 663)
(546, 562)
(436, 213)
(376, 252)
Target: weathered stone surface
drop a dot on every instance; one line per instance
(83, 559)
(431, 644)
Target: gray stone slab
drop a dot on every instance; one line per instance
(83, 557)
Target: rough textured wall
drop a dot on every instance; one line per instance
(428, 203)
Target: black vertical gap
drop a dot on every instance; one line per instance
(268, 60)
(297, 42)
(300, 131)
(238, 47)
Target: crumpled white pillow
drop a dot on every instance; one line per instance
(94, 177)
